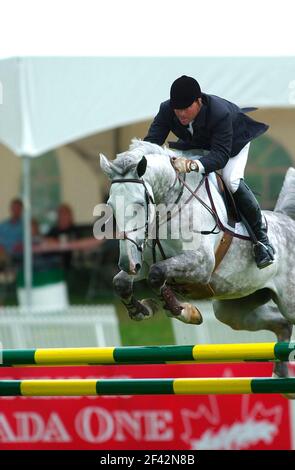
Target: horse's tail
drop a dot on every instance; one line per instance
(286, 200)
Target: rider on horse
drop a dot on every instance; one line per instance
(211, 123)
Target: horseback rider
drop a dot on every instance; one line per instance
(211, 123)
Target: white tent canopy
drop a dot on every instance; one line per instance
(48, 102)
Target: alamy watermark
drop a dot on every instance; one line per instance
(292, 92)
(145, 222)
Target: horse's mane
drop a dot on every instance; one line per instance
(126, 161)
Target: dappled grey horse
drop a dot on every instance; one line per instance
(241, 293)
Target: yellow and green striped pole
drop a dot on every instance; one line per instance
(249, 352)
(182, 386)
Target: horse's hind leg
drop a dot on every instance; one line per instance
(255, 313)
(123, 285)
(189, 266)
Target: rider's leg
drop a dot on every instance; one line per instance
(233, 174)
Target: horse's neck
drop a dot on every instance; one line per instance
(160, 176)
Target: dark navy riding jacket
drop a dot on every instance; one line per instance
(220, 127)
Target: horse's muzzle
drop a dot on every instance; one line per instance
(130, 259)
(129, 267)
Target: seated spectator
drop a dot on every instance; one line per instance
(41, 261)
(49, 290)
(11, 230)
(65, 230)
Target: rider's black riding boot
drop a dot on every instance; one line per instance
(250, 210)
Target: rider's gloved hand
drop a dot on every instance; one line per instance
(184, 165)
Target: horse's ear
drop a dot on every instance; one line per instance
(141, 167)
(106, 165)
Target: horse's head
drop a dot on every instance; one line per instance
(131, 199)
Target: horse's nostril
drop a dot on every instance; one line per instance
(137, 267)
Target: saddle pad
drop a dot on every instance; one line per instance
(239, 228)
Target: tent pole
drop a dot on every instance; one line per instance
(27, 229)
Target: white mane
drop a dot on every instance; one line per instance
(149, 149)
(126, 161)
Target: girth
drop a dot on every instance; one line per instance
(199, 291)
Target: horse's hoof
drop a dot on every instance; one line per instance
(191, 314)
(145, 313)
(139, 316)
(151, 306)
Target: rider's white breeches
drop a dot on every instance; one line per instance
(235, 168)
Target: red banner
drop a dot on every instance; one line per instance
(144, 422)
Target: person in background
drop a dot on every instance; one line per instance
(11, 239)
(41, 261)
(65, 230)
(11, 230)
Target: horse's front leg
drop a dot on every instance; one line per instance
(190, 266)
(123, 285)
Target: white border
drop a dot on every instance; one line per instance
(149, 27)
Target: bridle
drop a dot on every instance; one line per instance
(149, 200)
